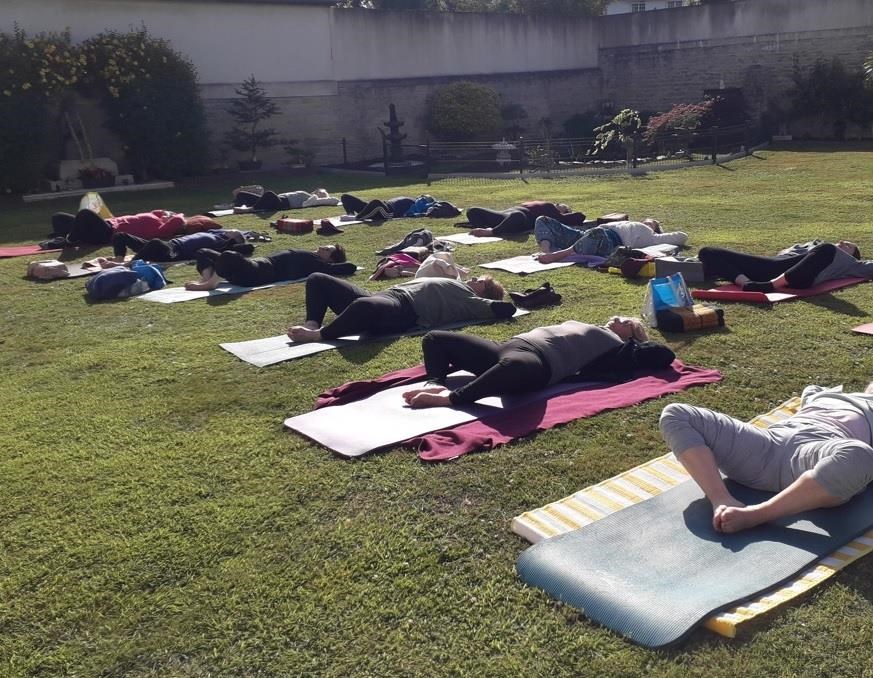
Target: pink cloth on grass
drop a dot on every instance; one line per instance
(588, 400)
(23, 251)
(736, 293)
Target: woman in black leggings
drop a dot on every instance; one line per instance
(285, 265)
(754, 273)
(427, 302)
(392, 208)
(533, 360)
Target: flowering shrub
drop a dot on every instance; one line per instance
(682, 117)
(33, 71)
(150, 94)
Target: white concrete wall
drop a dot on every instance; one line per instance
(732, 20)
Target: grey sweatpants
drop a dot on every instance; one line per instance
(772, 458)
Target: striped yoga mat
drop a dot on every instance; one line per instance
(653, 478)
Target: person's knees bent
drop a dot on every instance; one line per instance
(316, 280)
(675, 418)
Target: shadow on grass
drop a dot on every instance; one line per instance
(837, 304)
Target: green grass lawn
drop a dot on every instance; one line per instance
(155, 519)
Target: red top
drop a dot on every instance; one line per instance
(154, 224)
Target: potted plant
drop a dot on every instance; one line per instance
(251, 109)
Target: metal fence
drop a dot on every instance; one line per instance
(557, 156)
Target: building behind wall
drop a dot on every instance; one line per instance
(333, 71)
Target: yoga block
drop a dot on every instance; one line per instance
(294, 226)
(697, 317)
(691, 268)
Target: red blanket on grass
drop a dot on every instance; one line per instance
(736, 293)
(487, 433)
(23, 251)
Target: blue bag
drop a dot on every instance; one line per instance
(663, 294)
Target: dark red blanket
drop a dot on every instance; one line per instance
(485, 434)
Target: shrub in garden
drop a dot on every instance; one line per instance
(682, 117)
(149, 92)
(464, 111)
(36, 71)
(832, 95)
(620, 131)
(252, 107)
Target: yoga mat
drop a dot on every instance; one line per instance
(467, 239)
(216, 213)
(524, 264)
(864, 329)
(23, 251)
(348, 429)
(655, 570)
(735, 293)
(173, 295)
(654, 477)
(543, 411)
(272, 350)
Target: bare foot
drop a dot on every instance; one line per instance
(480, 232)
(409, 395)
(426, 399)
(106, 262)
(303, 335)
(723, 509)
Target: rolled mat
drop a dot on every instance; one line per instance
(736, 293)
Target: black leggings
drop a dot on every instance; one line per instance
(147, 250)
(268, 202)
(799, 269)
(86, 227)
(236, 269)
(357, 310)
(501, 222)
(375, 209)
(509, 367)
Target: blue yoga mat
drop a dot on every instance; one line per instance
(655, 570)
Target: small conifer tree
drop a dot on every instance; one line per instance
(251, 109)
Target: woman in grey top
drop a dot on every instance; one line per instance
(797, 267)
(820, 457)
(530, 361)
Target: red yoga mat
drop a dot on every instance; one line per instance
(486, 434)
(735, 293)
(23, 251)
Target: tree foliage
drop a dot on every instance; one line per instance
(832, 94)
(252, 108)
(561, 7)
(464, 111)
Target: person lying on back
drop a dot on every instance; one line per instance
(285, 265)
(519, 219)
(534, 360)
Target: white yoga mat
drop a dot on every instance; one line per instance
(272, 350)
(467, 239)
(173, 295)
(525, 263)
(216, 213)
(383, 418)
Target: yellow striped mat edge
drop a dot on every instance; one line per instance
(652, 478)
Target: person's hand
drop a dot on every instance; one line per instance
(481, 232)
(425, 399)
(544, 257)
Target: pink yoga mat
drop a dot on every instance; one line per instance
(864, 329)
(735, 293)
(23, 251)
(502, 428)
